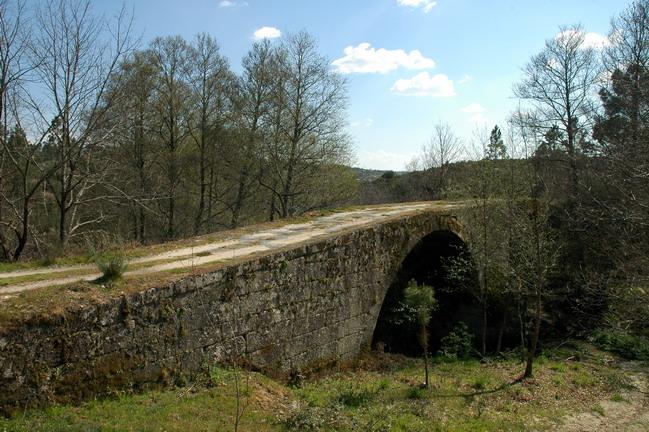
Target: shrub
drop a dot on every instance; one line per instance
(354, 398)
(304, 419)
(458, 343)
(111, 265)
(417, 393)
(627, 345)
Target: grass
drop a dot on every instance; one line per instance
(188, 409)
(42, 276)
(112, 267)
(599, 409)
(382, 393)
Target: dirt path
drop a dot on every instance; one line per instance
(629, 414)
(247, 245)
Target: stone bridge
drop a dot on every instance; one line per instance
(301, 296)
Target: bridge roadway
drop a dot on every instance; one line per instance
(284, 298)
(258, 243)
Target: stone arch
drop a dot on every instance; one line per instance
(424, 261)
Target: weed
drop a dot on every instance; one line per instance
(383, 384)
(558, 367)
(480, 382)
(617, 398)
(111, 265)
(584, 379)
(599, 410)
(354, 398)
(304, 419)
(417, 393)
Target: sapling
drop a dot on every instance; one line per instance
(421, 302)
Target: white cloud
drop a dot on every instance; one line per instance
(465, 79)
(473, 108)
(232, 4)
(384, 160)
(426, 5)
(591, 40)
(425, 84)
(476, 113)
(365, 123)
(266, 33)
(365, 59)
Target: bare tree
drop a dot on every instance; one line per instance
(14, 42)
(26, 173)
(617, 200)
(75, 53)
(309, 103)
(170, 56)
(484, 236)
(255, 93)
(14, 64)
(212, 85)
(559, 85)
(629, 36)
(622, 130)
(131, 128)
(442, 149)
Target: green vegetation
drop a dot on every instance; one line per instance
(158, 142)
(458, 344)
(112, 266)
(624, 343)
(420, 302)
(383, 395)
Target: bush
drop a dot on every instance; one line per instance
(354, 398)
(458, 343)
(304, 419)
(627, 345)
(417, 393)
(111, 265)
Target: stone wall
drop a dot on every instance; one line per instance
(290, 310)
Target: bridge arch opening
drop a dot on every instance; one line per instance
(429, 262)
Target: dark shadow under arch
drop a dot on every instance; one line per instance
(427, 263)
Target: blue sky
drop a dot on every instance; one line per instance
(458, 58)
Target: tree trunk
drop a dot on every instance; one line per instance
(521, 324)
(142, 227)
(271, 211)
(483, 304)
(426, 366)
(531, 353)
(63, 216)
(286, 194)
(198, 223)
(501, 332)
(170, 220)
(22, 237)
(238, 204)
